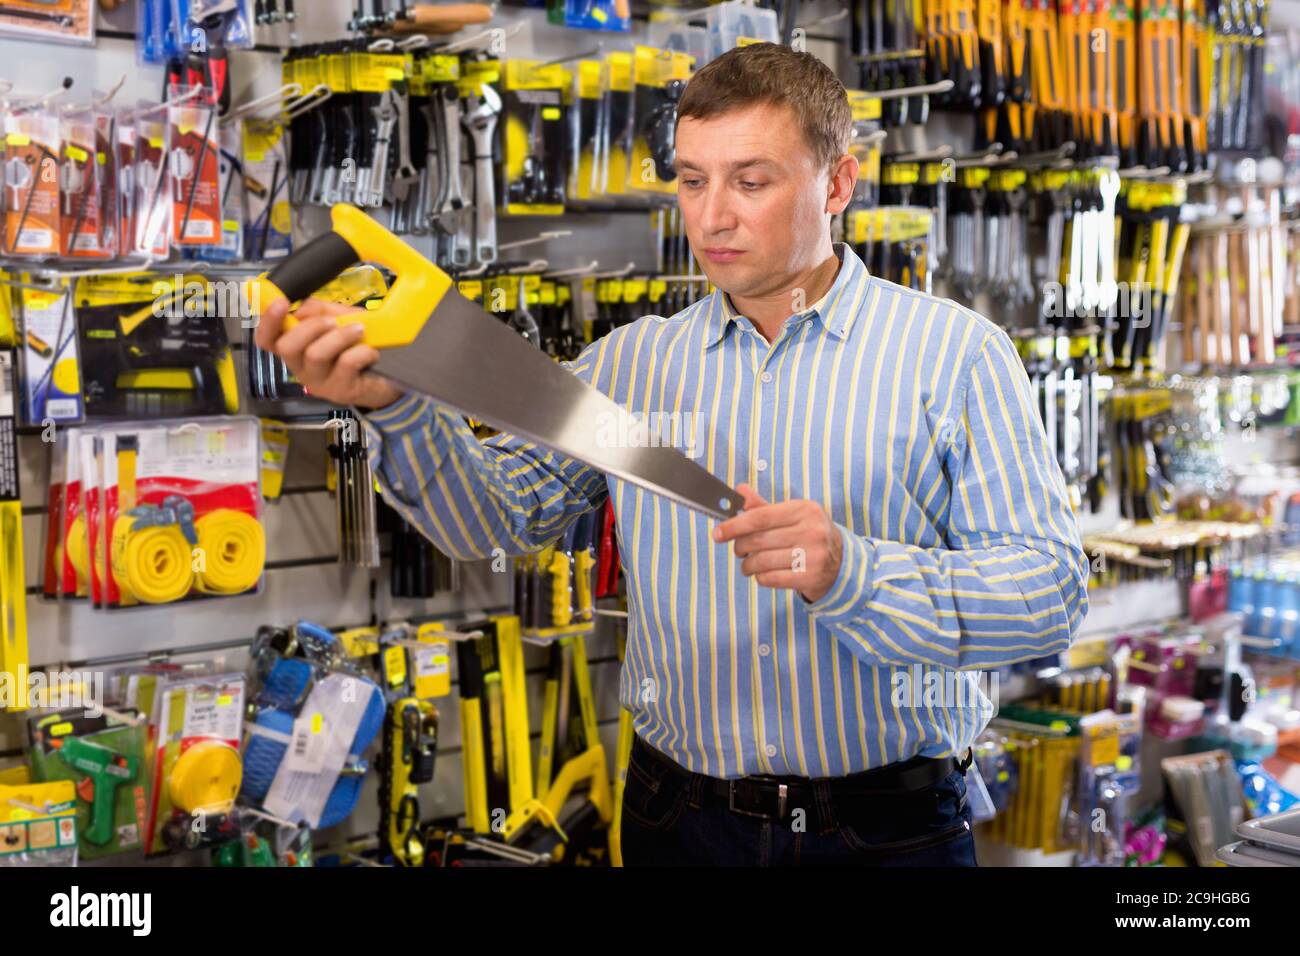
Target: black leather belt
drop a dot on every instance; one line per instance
(771, 796)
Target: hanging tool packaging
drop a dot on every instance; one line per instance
(1115, 183)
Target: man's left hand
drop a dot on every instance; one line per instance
(793, 544)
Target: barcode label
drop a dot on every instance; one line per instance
(432, 661)
(8, 444)
(61, 408)
(39, 239)
(198, 229)
(307, 751)
(6, 385)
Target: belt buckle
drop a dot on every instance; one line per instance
(782, 795)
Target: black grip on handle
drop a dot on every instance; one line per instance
(312, 266)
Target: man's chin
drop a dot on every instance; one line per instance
(730, 277)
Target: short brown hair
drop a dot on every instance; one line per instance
(775, 74)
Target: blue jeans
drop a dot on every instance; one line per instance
(672, 820)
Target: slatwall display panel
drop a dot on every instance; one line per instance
(304, 578)
(445, 794)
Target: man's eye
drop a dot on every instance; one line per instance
(692, 183)
(750, 185)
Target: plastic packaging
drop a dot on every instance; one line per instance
(51, 365)
(682, 37)
(736, 23)
(151, 183)
(314, 718)
(196, 770)
(79, 747)
(660, 77)
(268, 229)
(193, 162)
(88, 184)
(172, 510)
(154, 344)
(38, 824)
(31, 180)
(124, 145)
(609, 15)
(232, 189)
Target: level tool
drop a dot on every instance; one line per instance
(435, 341)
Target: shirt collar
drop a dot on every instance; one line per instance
(833, 310)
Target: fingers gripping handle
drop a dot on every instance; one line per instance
(418, 286)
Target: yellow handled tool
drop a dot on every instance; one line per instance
(435, 341)
(13, 602)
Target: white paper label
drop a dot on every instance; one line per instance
(340, 701)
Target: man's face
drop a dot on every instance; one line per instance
(753, 197)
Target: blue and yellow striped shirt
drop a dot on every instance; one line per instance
(908, 417)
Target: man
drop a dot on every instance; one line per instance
(803, 676)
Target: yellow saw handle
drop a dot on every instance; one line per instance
(416, 291)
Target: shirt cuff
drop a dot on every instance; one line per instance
(399, 416)
(405, 443)
(852, 584)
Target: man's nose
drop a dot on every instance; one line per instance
(715, 211)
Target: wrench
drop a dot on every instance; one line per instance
(454, 197)
(385, 112)
(481, 122)
(462, 248)
(406, 176)
(432, 182)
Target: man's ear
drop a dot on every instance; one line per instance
(843, 177)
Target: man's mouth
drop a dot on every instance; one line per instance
(723, 254)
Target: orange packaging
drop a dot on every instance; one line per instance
(31, 182)
(196, 175)
(83, 175)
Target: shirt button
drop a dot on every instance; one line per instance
(766, 376)
(764, 650)
(761, 464)
(770, 750)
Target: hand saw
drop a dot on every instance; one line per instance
(435, 341)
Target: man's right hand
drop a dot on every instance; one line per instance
(325, 353)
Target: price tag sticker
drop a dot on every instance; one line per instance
(307, 751)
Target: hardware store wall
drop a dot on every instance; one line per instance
(304, 577)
